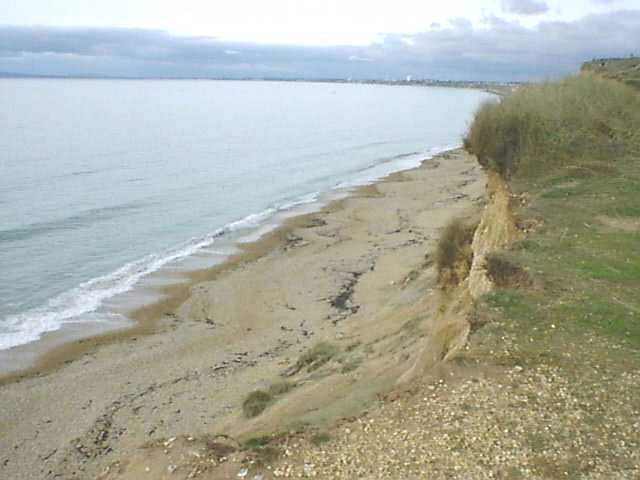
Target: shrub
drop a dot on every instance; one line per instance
(317, 356)
(256, 403)
(262, 450)
(504, 273)
(580, 119)
(259, 400)
(280, 388)
(320, 438)
(453, 252)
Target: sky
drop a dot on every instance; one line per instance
(453, 39)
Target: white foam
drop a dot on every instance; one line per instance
(80, 304)
(73, 305)
(386, 167)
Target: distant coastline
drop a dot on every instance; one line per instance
(490, 86)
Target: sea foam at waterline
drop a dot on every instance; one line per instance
(104, 180)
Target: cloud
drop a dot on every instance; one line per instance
(498, 50)
(524, 7)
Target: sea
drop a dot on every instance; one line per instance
(110, 189)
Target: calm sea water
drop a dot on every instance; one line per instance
(104, 182)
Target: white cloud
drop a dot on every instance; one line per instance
(497, 49)
(525, 7)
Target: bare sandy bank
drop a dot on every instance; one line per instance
(354, 273)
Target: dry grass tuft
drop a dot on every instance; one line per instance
(506, 274)
(256, 403)
(317, 356)
(280, 388)
(259, 400)
(580, 120)
(453, 253)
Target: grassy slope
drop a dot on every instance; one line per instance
(626, 70)
(581, 316)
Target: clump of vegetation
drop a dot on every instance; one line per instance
(453, 252)
(317, 356)
(220, 446)
(263, 449)
(504, 273)
(350, 365)
(280, 388)
(320, 438)
(256, 403)
(259, 400)
(556, 124)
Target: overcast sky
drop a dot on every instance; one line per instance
(452, 39)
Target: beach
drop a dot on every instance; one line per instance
(356, 274)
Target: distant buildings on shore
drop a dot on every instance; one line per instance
(407, 81)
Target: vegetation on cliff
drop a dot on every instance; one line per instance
(582, 123)
(626, 70)
(570, 151)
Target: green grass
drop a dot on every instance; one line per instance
(574, 148)
(583, 304)
(587, 274)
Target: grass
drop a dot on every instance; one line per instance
(317, 356)
(574, 148)
(578, 122)
(625, 70)
(453, 254)
(256, 403)
(314, 358)
(504, 273)
(588, 273)
(263, 450)
(350, 365)
(549, 140)
(280, 388)
(320, 439)
(258, 400)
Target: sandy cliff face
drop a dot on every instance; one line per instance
(497, 229)
(450, 316)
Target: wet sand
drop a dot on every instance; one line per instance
(335, 275)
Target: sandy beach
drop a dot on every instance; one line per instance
(356, 274)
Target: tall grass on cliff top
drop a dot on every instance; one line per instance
(581, 121)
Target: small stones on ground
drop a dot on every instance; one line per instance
(536, 423)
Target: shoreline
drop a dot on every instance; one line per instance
(353, 273)
(57, 347)
(146, 317)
